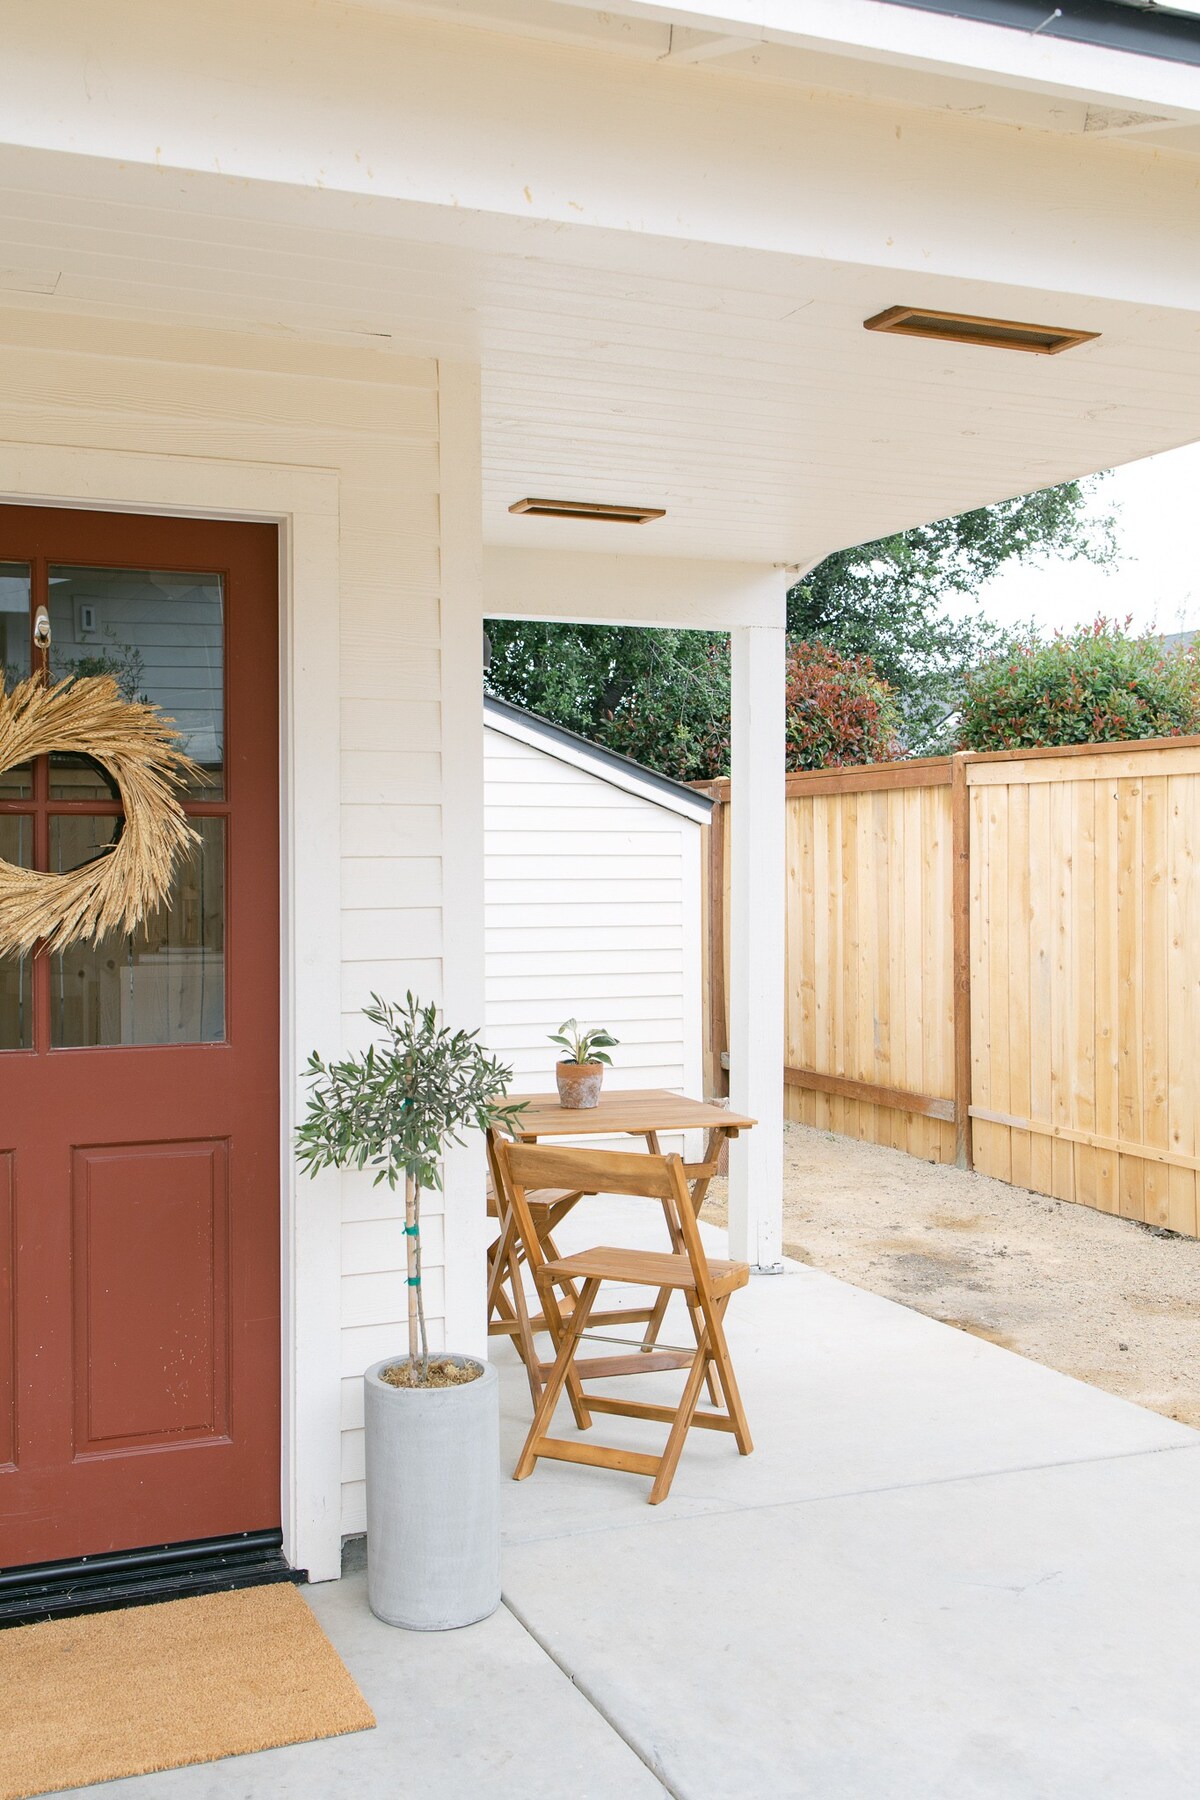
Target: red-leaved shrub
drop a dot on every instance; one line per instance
(838, 710)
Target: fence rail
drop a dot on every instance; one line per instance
(995, 960)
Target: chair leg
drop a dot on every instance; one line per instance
(679, 1430)
(551, 1252)
(555, 1322)
(655, 1325)
(544, 1412)
(506, 1264)
(698, 1333)
(715, 1317)
(650, 1337)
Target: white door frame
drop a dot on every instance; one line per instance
(303, 503)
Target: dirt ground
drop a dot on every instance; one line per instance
(1104, 1299)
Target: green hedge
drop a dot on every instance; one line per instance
(1095, 685)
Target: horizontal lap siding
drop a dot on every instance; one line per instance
(373, 419)
(590, 913)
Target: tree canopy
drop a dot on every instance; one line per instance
(663, 696)
(889, 600)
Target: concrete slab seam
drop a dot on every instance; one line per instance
(899, 1487)
(596, 1705)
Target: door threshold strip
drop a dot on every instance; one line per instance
(83, 1584)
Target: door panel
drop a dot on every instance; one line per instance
(151, 1277)
(139, 1077)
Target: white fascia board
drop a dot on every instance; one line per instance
(907, 37)
(595, 588)
(540, 735)
(465, 138)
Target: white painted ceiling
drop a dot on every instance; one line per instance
(737, 390)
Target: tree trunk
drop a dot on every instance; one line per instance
(414, 1270)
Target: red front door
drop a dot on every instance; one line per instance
(139, 1080)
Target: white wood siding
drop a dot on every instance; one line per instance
(592, 910)
(373, 419)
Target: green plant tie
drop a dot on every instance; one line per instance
(414, 1281)
(412, 1231)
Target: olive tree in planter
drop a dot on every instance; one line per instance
(433, 1431)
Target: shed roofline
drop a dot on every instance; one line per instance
(619, 771)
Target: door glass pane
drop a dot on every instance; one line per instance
(16, 999)
(15, 784)
(161, 636)
(166, 983)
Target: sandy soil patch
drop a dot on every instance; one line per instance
(1104, 1299)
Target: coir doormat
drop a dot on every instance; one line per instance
(154, 1687)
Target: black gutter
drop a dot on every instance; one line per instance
(1173, 37)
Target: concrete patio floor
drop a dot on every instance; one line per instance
(945, 1571)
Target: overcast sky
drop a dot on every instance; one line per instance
(1157, 507)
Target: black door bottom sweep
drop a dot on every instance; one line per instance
(83, 1584)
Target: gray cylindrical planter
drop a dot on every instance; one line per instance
(433, 1500)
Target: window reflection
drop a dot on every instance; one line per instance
(166, 983)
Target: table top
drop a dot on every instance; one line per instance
(636, 1111)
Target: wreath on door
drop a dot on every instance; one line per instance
(138, 747)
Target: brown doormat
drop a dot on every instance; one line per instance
(153, 1687)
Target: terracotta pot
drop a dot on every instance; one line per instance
(579, 1083)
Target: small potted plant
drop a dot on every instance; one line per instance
(580, 1073)
(433, 1422)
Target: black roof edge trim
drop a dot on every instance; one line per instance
(625, 765)
(1173, 37)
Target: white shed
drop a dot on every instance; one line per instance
(593, 896)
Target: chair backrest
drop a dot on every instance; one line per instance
(525, 1166)
(586, 1170)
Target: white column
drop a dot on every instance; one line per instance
(466, 1227)
(757, 943)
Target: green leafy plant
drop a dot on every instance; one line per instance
(1098, 684)
(838, 710)
(396, 1107)
(584, 1046)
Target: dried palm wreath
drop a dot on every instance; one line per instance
(137, 745)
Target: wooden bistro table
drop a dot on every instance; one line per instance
(646, 1113)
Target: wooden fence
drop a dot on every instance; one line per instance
(996, 959)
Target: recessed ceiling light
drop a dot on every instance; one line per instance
(588, 509)
(968, 328)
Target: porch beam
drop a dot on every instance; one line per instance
(757, 940)
(689, 47)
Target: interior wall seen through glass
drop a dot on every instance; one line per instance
(161, 637)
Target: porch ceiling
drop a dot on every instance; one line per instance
(733, 387)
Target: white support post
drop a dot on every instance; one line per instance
(465, 1201)
(757, 943)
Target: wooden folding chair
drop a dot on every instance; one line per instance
(508, 1309)
(508, 1312)
(704, 1284)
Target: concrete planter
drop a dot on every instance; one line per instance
(579, 1083)
(433, 1500)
